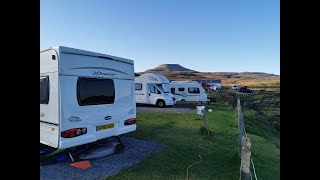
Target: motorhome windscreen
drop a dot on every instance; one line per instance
(93, 91)
(44, 90)
(162, 88)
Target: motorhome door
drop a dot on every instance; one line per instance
(154, 94)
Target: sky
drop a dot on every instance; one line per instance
(202, 35)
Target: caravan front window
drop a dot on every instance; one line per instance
(194, 90)
(93, 91)
(44, 90)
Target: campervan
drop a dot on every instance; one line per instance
(187, 91)
(84, 97)
(150, 89)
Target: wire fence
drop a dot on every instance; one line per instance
(238, 94)
(244, 150)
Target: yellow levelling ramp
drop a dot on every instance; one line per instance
(81, 164)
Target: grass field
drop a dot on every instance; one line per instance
(181, 133)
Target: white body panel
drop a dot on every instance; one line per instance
(183, 90)
(63, 111)
(143, 93)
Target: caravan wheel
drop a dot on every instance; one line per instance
(183, 101)
(119, 148)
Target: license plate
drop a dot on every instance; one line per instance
(104, 127)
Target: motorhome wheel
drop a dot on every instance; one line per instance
(161, 103)
(183, 101)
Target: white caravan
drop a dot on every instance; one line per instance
(187, 91)
(149, 89)
(84, 97)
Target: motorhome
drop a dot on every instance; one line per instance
(187, 91)
(150, 89)
(84, 97)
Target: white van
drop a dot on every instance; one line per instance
(187, 91)
(84, 97)
(149, 89)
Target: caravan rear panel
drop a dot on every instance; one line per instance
(96, 96)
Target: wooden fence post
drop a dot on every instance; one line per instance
(245, 159)
(240, 132)
(240, 128)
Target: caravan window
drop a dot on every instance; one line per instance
(93, 91)
(181, 89)
(44, 90)
(138, 86)
(194, 90)
(173, 90)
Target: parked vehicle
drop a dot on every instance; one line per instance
(187, 91)
(236, 86)
(84, 97)
(150, 89)
(245, 89)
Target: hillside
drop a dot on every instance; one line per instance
(168, 68)
(178, 72)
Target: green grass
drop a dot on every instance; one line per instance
(266, 156)
(181, 133)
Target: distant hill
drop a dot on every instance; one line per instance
(178, 72)
(168, 68)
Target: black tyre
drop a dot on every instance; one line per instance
(161, 103)
(183, 101)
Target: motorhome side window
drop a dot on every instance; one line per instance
(194, 90)
(181, 89)
(44, 90)
(93, 91)
(138, 86)
(173, 90)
